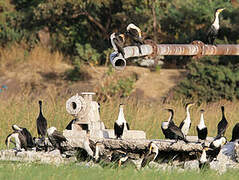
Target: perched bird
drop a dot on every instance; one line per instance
(151, 155)
(117, 41)
(125, 160)
(164, 126)
(176, 130)
(201, 128)
(56, 138)
(235, 132)
(222, 125)
(135, 35)
(186, 123)
(214, 28)
(41, 123)
(120, 124)
(203, 161)
(20, 139)
(216, 145)
(26, 134)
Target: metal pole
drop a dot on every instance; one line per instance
(197, 49)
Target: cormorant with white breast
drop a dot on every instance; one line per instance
(164, 126)
(201, 128)
(203, 161)
(175, 129)
(117, 41)
(235, 132)
(151, 155)
(216, 145)
(214, 28)
(186, 123)
(222, 125)
(135, 34)
(120, 124)
(56, 138)
(41, 123)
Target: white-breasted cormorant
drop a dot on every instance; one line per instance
(117, 41)
(215, 146)
(222, 125)
(214, 28)
(186, 123)
(26, 134)
(135, 35)
(56, 137)
(151, 155)
(41, 123)
(120, 124)
(203, 161)
(235, 132)
(201, 128)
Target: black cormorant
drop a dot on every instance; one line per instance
(117, 41)
(213, 30)
(186, 123)
(120, 124)
(235, 132)
(201, 128)
(135, 35)
(41, 123)
(151, 155)
(222, 125)
(164, 126)
(176, 130)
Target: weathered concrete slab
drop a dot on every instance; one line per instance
(130, 134)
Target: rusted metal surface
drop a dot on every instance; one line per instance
(196, 49)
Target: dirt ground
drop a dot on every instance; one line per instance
(35, 81)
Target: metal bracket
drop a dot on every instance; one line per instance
(200, 46)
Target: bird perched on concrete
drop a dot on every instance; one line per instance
(201, 128)
(214, 28)
(135, 35)
(164, 126)
(235, 132)
(186, 123)
(216, 145)
(41, 123)
(19, 136)
(56, 138)
(151, 155)
(222, 125)
(117, 41)
(120, 125)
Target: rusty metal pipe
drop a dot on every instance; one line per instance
(197, 49)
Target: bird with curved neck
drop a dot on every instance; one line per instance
(120, 125)
(164, 126)
(214, 28)
(222, 125)
(151, 155)
(186, 123)
(201, 128)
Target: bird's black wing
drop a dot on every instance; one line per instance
(69, 126)
(181, 124)
(148, 157)
(58, 136)
(23, 140)
(221, 127)
(41, 125)
(211, 35)
(235, 132)
(118, 129)
(28, 137)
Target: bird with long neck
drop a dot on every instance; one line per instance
(235, 132)
(41, 123)
(222, 125)
(164, 126)
(201, 128)
(151, 155)
(214, 28)
(186, 123)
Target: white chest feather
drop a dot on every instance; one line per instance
(203, 158)
(186, 125)
(216, 22)
(121, 118)
(164, 125)
(201, 124)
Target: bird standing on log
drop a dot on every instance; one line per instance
(56, 138)
(235, 132)
(186, 123)
(135, 35)
(178, 135)
(201, 128)
(117, 41)
(121, 124)
(222, 125)
(41, 123)
(164, 126)
(151, 155)
(214, 28)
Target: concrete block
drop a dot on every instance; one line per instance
(131, 134)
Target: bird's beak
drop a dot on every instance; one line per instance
(220, 10)
(150, 148)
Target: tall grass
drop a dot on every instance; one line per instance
(141, 116)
